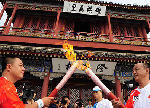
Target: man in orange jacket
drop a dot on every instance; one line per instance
(13, 70)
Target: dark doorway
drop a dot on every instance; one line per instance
(82, 27)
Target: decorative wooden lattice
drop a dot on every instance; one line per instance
(129, 30)
(122, 30)
(51, 22)
(34, 22)
(96, 28)
(69, 25)
(42, 23)
(26, 22)
(38, 92)
(115, 29)
(86, 94)
(136, 32)
(74, 95)
(61, 93)
(37, 88)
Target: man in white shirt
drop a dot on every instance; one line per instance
(100, 102)
(139, 97)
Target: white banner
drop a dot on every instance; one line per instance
(98, 67)
(82, 8)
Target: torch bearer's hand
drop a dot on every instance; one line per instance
(47, 100)
(116, 103)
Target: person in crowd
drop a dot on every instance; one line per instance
(139, 97)
(100, 101)
(89, 104)
(55, 104)
(58, 104)
(12, 71)
(78, 104)
(27, 95)
(65, 102)
(31, 98)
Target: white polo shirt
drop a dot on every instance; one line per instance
(104, 103)
(143, 99)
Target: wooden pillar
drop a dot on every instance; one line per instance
(110, 29)
(30, 24)
(102, 28)
(106, 30)
(132, 30)
(46, 24)
(139, 30)
(147, 19)
(17, 21)
(140, 33)
(57, 21)
(6, 31)
(118, 87)
(2, 11)
(144, 33)
(22, 22)
(118, 29)
(38, 23)
(125, 30)
(45, 85)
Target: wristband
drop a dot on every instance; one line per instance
(40, 103)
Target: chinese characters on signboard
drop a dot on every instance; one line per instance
(98, 67)
(82, 8)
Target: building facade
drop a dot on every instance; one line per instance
(111, 36)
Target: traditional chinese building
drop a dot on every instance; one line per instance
(111, 36)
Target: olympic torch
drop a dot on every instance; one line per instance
(101, 85)
(65, 79)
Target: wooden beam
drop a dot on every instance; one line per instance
(44, 41)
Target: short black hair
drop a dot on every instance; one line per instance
(7, 60)
(79, 100)
(146, 65)
(63, 101)
(89, 100)
(65, 97)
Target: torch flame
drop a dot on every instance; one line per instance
(90, 54)
(71, 56)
